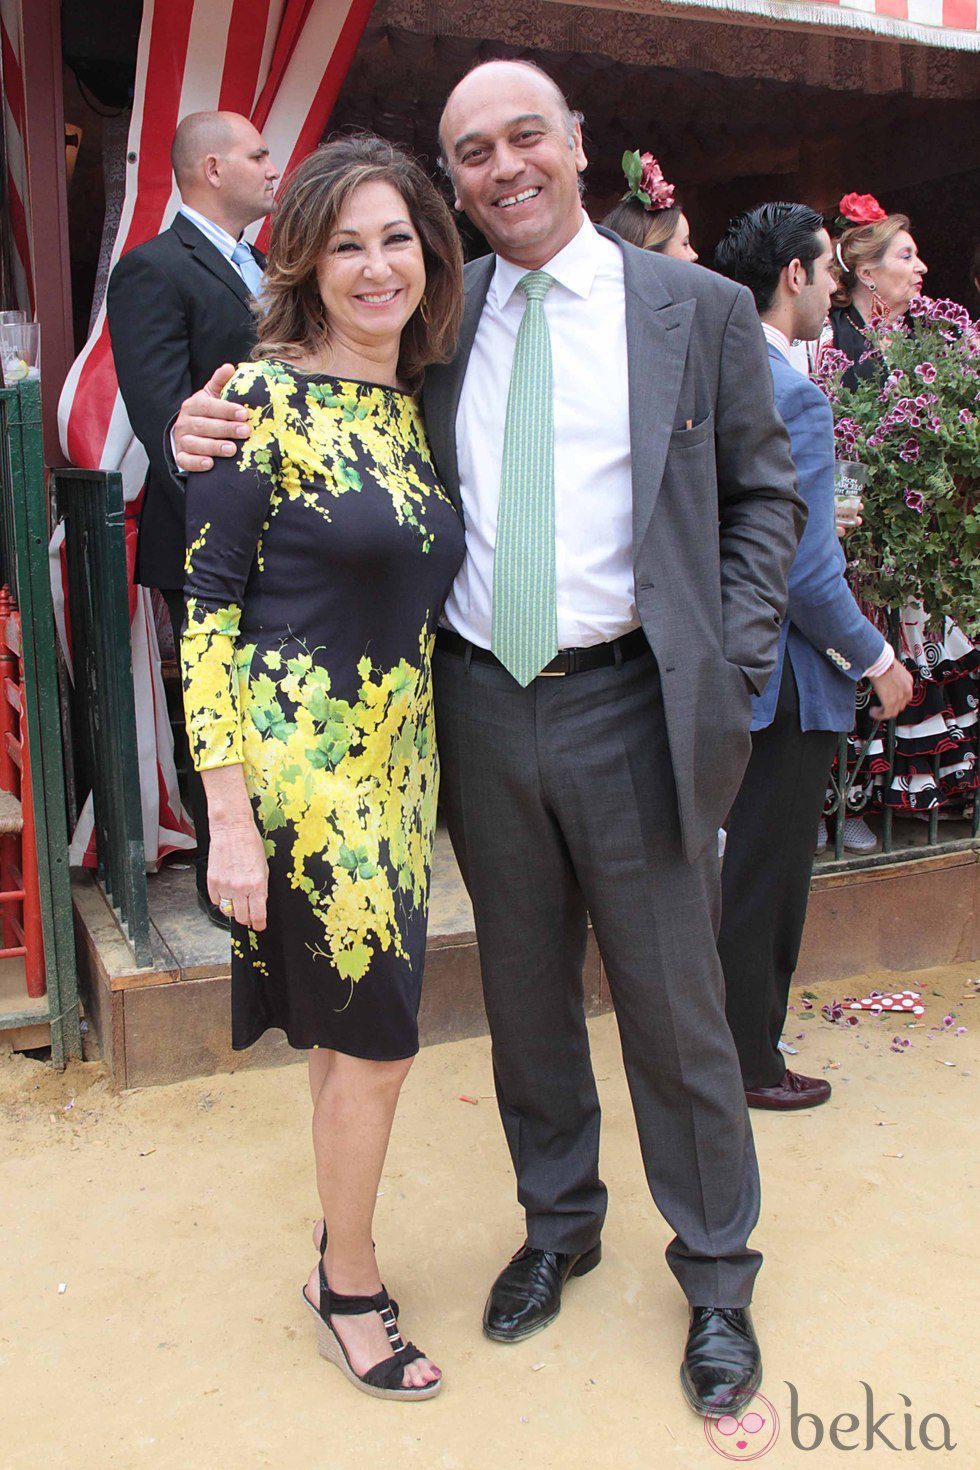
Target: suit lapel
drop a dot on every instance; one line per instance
(444, 384)
(658, 330)
(210, 257)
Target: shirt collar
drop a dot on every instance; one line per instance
(215, 233)
(574, 267)
(778, 339)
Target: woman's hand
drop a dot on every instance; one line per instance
(238, 870)
(237, 867)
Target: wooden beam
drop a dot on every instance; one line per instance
(45, 128)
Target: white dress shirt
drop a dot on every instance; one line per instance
(586, 315)
(219, 238)
(795, 353)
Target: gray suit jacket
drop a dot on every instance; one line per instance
(716, 517)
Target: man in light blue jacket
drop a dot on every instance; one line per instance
(784, 255)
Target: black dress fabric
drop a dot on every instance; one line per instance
(319, 559)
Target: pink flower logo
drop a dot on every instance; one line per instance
(747, 1436)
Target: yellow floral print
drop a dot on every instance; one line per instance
(343, 789)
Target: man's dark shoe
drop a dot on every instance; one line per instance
(526, 1296)
(722, 1365)
(218, 919)
(793, 1092)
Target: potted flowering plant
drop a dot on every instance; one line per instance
(916, 426)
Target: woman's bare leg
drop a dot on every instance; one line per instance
(319, 1066)
(353, 1110)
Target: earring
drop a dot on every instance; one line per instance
(879, 307)
(424, 309)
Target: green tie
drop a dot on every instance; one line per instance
(524, 632)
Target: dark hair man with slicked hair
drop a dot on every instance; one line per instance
(178, 306)
(607, 433)
(758, 246)
(783, 254)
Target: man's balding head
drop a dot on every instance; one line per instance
(513, 149)
(487, 71)
(222, 168)
(198, 135)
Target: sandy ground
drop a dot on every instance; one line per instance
(177, 1220)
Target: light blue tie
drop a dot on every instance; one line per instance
(248, 267)
(524, 626)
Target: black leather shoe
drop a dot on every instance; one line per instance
(526, 1296)
(722, 1365)
(218, 919)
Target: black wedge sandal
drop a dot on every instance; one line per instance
(383, 1381)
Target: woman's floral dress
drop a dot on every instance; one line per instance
(318, 562)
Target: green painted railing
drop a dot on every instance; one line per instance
(24, 534)
(91, 505)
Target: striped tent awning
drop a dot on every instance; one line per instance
(954, 24)
(16, 196)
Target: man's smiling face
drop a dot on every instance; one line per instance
(515, 156)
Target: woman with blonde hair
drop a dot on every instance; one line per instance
(319, 558)
(648, 215)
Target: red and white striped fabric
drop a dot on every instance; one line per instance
(281, 63)
(954, 24)
(15, 147)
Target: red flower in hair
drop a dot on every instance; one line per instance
(861, 209)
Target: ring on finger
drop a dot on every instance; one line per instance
(226, 906)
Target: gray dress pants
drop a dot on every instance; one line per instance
(561, 805)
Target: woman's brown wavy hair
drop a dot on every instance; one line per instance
(648, 229)
(863, 245)
(291, 317)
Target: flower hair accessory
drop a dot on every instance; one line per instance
(646, 181)
(859, 209)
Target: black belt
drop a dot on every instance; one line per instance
(568, 661)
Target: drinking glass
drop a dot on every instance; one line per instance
(850, 479)
(20, 352)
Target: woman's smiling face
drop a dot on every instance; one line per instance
(371, 275)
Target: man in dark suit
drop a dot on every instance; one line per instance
(608, 433)
(178, 306)
(784, 255)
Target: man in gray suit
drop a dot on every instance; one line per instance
(596, 785)
(607, 431)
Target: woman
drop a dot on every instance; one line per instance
(318, 561)
(647, 215)
(880, 275)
